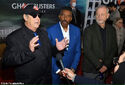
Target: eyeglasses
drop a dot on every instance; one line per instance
(35, 15)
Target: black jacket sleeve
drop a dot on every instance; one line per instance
(119, 76)
(85, 80)
(16, 53)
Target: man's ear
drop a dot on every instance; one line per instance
(108, 15)
(59, 16)
(25, 17)
(71, 19)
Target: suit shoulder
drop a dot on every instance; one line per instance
(15, 33)
(75, 27)
(110, 27)
(90, 28)
(43, 31)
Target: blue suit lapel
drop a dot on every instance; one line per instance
(71, 35)
(59, 32)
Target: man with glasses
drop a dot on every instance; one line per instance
(120, 33)
(30, 51)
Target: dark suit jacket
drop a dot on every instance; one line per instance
(93, 48)
(30, 67)
(123, 48)
(83, 80)
(79, 19)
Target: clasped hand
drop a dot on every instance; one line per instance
(68, 73)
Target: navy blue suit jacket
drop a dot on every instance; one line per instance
(84, 80)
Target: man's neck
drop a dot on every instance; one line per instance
(72, 7)
(65, 29)
(102, 26)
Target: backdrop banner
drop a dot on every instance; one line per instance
(11, 13)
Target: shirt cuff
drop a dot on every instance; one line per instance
(73, 78)
(58, 71)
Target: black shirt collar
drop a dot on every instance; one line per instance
(29, 31)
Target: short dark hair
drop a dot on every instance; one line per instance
(66, 8)
(123, 3)
(112, 4)
(116, 20)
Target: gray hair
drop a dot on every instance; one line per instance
(102, 6)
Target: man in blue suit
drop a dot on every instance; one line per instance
(63, 29)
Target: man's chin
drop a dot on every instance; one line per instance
(100, 22)
(64, 23)
(37, 26)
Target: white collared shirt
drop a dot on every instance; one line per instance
(65, 34)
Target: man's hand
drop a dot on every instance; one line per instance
(60, 73)
(68, 73)
(103, 69)
(62, 44)
(116, 68)
(121, 58)
(33, 44)
(72, 70)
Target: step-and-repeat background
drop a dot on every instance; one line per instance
(11, 15)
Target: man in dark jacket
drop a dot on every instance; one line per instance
(77, 16)
(99, 45)
(122, 11)
(29, 50)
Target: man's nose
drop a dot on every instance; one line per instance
(37, 16)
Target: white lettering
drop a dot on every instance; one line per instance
(40, 6)
(16, 6)
(107, 1)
